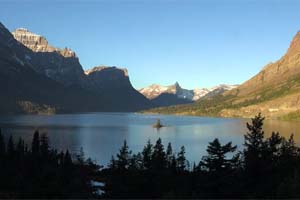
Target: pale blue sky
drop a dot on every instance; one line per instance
(198, 43)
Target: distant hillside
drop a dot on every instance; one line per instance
(274, 92)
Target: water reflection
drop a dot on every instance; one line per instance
(102, 134)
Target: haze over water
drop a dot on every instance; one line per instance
(102, 134)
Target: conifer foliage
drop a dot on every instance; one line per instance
(267, 167)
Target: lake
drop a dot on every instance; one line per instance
(102, 134)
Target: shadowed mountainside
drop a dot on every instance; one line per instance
(45, 79)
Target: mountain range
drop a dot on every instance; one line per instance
(36, 77)
(274, 92)
(175, 94)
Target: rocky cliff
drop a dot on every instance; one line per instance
(37, 77)
(58, 64)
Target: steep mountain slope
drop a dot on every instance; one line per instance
(61, 65)
(114, 83)
(48, 79)
(274, 91)
(23, 90)
(174, 94)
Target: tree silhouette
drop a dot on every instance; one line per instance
(181, 160)
(35, 146)
(123, 157)
(216, 160)
(44, 144)
(10, 147)
(169, 154)
(254, 143)
(159, 161)
(147, 155)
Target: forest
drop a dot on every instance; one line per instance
(266, 167)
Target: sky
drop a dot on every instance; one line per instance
(199, 43)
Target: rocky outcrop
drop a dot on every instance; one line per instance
(36, 77)
(24, 90)
(61, 65)
(38, 43)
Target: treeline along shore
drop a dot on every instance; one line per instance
(267, 167)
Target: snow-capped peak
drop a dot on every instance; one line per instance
(155, 90)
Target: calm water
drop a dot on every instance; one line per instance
(102, 134)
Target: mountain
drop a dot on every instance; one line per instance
(114, 83)
(58, 64)
(23, 90)
(36, 77)
(168, 99)
(175, 94)
(274, 92)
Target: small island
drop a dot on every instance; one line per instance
(158, 124)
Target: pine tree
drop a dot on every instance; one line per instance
(169, 154)
(67, 159)
(35, 147)
(123, 157)
(159, 160)
(44, 145)
(11, 147)
(80, 156)
(147, 155)
(113, 163)
(216, 160)
(181, 160)
(273, 147)
(254, 144)
(136, 162)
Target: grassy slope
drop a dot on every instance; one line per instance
(213, 106)
(295, 116)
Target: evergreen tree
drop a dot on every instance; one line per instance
(147, 155)
(159, 160)
(216, 160)
(113, 163)
(169, 154)
(10, 147)
(81, 157)
(67, 159)
(254, 144)
(123, 157)
(273, 148)
(44, 145)
(136, 162)
(35, 146)
(181, 160)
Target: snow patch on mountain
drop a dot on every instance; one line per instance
(155, 90)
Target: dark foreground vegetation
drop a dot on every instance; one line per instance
(41, 172)
(265, 168)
